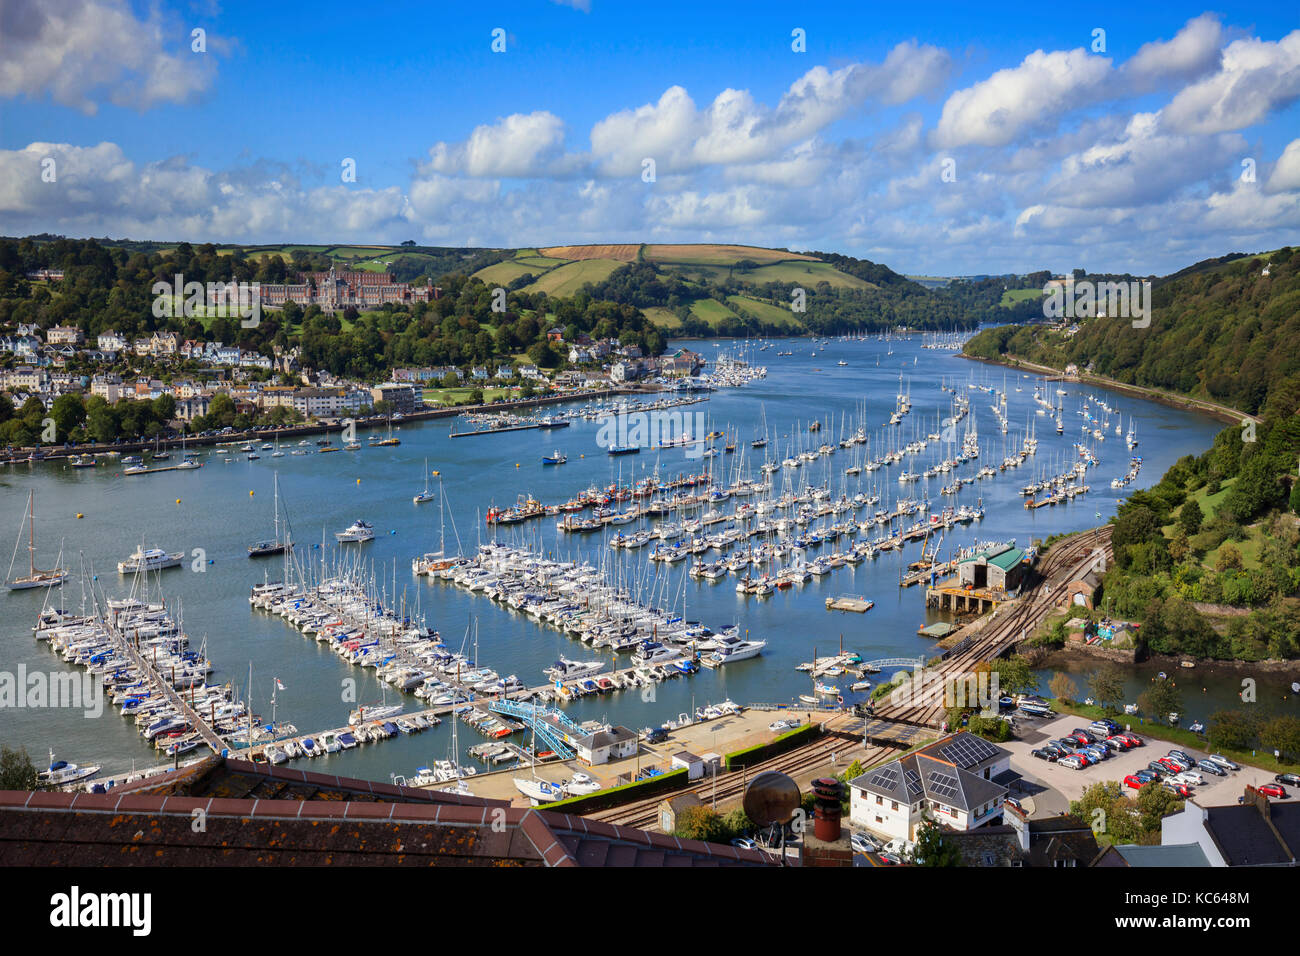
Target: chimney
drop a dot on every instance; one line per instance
(829, 793)
(1019, 821)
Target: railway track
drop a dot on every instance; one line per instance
(1064, 563)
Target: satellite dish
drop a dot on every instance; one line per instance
(771, 798)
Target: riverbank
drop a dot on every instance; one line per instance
(53, 453)
(1221, 412)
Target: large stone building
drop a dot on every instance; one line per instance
(336, 290)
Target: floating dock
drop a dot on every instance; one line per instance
(858, 605)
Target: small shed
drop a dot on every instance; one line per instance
(671, 808)
(615, 743)
(693, 765)
(1084, 592)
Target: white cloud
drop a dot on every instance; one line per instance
(75, 50)
(734, 128)
(995, 111)
(1255, 78)
(1286, 173)
(1194, 50)
(520, 145)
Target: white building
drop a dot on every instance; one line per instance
(606, 745)
(954, 781)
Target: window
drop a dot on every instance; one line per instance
(894, 804)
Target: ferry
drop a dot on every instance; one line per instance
(625, 450)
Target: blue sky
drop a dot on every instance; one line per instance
(942, 139)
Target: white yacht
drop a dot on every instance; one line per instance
(738, 650)
(149, 559)
(565, 669)
(358, 531)
(539, 791)
(61, 772)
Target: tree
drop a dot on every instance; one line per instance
(1108, 812)
(476, 396)
(932, 849)
(1107, 685)
(700, 823)
(1191, 518)
(16, 770)
(1063, 688)
(1014, 675)
(1282, 733)
(1233, 730)
(1161, 699)
(1154, 803)
(1229, 558)
(450, 380)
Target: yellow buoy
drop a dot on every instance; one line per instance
(358, 481)
(178, 501)
(80, 515)
(250, 494)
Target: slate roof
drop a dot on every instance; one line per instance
(938, 773)
(258, 815)
(1189, 854)
(1246, 838)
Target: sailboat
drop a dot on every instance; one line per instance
(266, 548)
(35, 578)
(425, 495)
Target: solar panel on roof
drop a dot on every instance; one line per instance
(967, 750)
(943, 785)
(887, 778)
(913, 781)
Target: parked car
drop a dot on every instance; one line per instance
(745, 843)
(1074, 762)
(1118, 744)
(1098, 751)
(1147, 776)
(863, 843)
(1158, 768)
(656, 736)
(1103, 728)
(1133, 738)
(1271, 790)
(1181, 789)
(1170, 764)
(1080, 732)
(1291, 778)
(1191, 778)
(1182, 755)
(1134, 781)
(1223, 762)
(1209, 766)
(1042, 753)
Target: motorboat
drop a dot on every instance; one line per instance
(580, 783)
(540, 791)
(149, 559)
(357, 532)
(62, 772)
(566, 670)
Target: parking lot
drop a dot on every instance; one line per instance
(1051, 787)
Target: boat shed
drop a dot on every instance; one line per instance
(1002, 569)
(606, 745)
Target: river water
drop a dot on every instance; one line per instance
(226, 506)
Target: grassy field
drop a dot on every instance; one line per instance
(619, 253)
(569, 278)
(662, 318)
(504, 273)
(1011, 296)
(800, 273)
(711, 311)
(540, 262)
(766, 311)
(711, 254)
(460, 396)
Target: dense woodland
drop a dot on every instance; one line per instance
(1221, 330)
